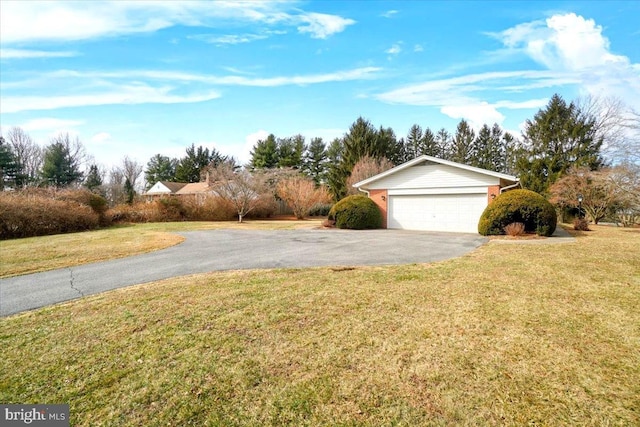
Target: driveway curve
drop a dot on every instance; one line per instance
(219, 250)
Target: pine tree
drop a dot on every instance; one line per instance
(290, 151)
(190, 166)
(443, 142)
(315, 161)
(462, 147)
(481, 157)
(265, 153)
(8, 165)
(93, 180)
(414, 142)
(336, 175)
(559, 136)
(60, 168)
(160, 168)
(429, 144)
(129, 191)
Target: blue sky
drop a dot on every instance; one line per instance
(147, 77)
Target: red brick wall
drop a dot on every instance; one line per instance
(381, 199)
(492, 193)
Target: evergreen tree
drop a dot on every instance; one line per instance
(129, 191)
(511, 152)
(429, 144)
(559, 136)
(315, 161)
(190, 166)
(290, 152)
(336, 175)
(160, 168)
(414, 142)
(8, 165)
(60, 167)
(93, 181)
(265, 153)
(497, 151)
(388, 146)
(481, 157)
(462, 147)
(443, 142)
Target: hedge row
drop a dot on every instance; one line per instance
(37, 212)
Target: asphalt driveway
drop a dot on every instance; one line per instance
(218, 250)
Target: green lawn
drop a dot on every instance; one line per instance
(507, 335)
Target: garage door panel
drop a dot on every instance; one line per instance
(441, 212)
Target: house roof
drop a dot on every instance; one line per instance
(425, 158)
(173, 186)
(195, 187)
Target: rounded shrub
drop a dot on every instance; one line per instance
(356, 213)
(525, 206)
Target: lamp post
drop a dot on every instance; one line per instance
(580, 206)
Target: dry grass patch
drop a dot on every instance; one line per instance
(517, 335)
(35, 254)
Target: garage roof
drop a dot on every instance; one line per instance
(425, 158)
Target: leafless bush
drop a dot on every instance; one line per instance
(514, 229)
(581, 224)
(38, 213)
(301, 194)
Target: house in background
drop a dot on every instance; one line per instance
(165, 188)
(199, 190)
(428, 193)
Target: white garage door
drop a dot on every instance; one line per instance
(437, 212)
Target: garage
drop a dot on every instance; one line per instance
(437, 212)
(432, 194)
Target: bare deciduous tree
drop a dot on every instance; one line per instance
(616, 123)
(626, 181)
(114, 189)
(29, 155)
(131, 170)
(244, 190)
(301, 194)
(365, 168)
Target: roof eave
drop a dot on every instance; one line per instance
(363, 183)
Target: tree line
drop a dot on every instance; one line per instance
(561, 136)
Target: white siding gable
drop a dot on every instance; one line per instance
(159, 188)
(433, 176)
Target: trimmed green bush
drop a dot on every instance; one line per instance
(356, 213)
(525, 206)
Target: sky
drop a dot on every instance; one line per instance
(139, 78)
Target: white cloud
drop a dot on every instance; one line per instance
(149, 86)
(139, 94)
(49, 124)
(31, 21)
(418, 48)
(563, 42)
(321, 25)
(572, 44)
(100, 138)
(571, 48)
(389, 14)
(229, 38)
(26, 53)
(394, 49)
(477, 114)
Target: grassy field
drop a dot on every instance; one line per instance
(31, 255)
(507, 335)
